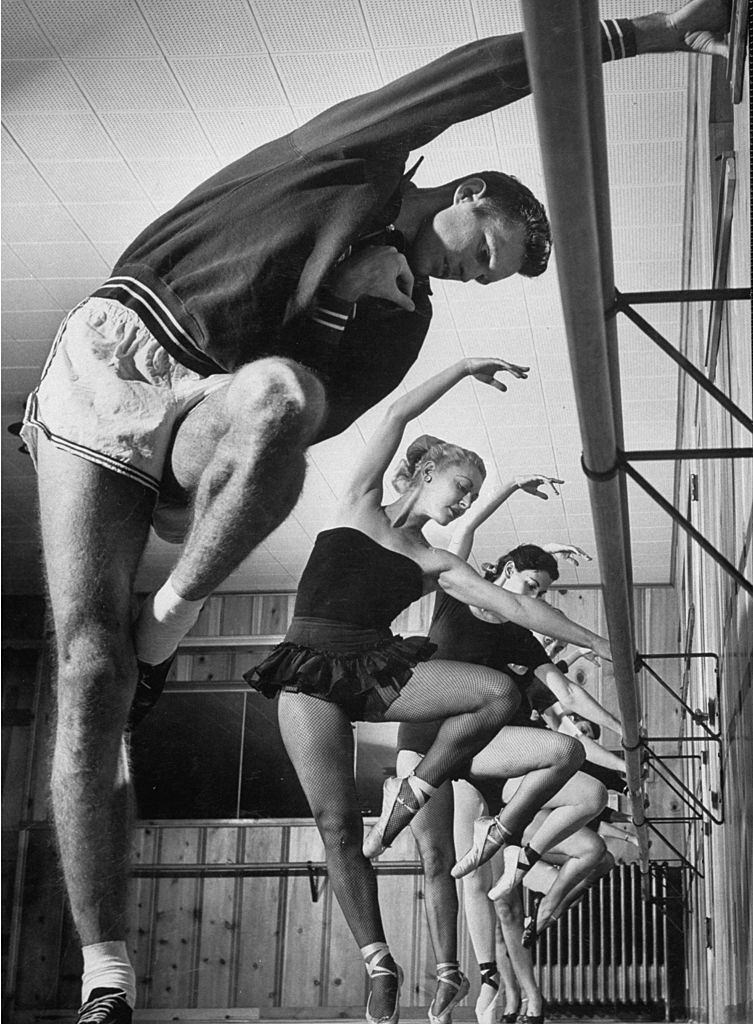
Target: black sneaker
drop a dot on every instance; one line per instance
(105, 1006)
(149, 689)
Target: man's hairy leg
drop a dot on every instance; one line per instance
(94, 527)
(241, 456)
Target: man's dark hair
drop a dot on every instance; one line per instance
(525, 556)
(509, 198)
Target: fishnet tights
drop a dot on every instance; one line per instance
(545, 759)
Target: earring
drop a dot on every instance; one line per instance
(427, 477)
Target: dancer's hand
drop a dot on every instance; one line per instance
(379, 271)
(567, 552)
(533, 485)
(602, 649)
(485, 369)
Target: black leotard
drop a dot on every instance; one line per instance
(339, 647)
(351, 578)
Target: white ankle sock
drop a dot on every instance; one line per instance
(163, 621)
(106, 965)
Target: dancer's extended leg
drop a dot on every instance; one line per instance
(473, 703)
(318, 737)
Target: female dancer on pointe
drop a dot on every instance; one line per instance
(340, 663)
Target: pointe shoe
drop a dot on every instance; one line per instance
(530, 928)
(462, 987)
(381, 972)
(506, 882)
(487, 839)
(373, 844)
(489, 1013)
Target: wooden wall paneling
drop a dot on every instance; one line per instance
(142, 892)
(218, 924)
(344, 972)
(209, 622)
(304, 926)
(176, 920)
(397, 893)
(42, 920)
(261, 941)
(237, 614)
(272, 613)
(209, 665)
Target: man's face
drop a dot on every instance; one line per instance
(462, 242)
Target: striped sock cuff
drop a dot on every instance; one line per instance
(617, 39)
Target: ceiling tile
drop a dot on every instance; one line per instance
(68, 292)
(128, 84)
(91, 181)
(165, 181)
(112, 222)
(25, 293)
(157, 135)
(12, 265)
(187, 28)
(417, 23)
(227, 82)
(62, 259)
(325, 78)
(95, 28)
(39, 85)
(23, 36)
(23, 184)
(233, 133)
(63, 136)
(29, 223)
(30, 326)
(309, 25)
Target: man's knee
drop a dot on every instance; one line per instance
(96, 679)
(279, 394)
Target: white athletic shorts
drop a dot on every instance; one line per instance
(111, 394)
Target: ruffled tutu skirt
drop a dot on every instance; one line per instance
(362, 670)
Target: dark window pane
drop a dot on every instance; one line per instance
(375, 759)
(186, 756)
(269, 785)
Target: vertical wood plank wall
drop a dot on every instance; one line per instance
(221, 912)
(720, 906)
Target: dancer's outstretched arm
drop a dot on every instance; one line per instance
(574, 699)
(494, 494)
(380, 449)
(595, 752)
(457, 579)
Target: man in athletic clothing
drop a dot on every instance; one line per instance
(267, 310)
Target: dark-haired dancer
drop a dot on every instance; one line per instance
(340, 663)
(477, 636)
(268, 309)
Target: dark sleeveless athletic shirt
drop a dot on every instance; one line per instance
(351, 578)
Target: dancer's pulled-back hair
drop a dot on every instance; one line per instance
(428, 448)
(525, 556)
